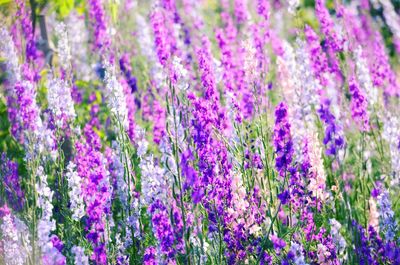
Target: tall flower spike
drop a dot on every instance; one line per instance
(14, 239)
(46, 224)
(96, 191)
(317, 183)
(63, 47)
(392, 20)
(99, 23)
(387, 222)
(60, 101)
(79, 256)
(11, 182)
(8, 51)
(161, 41)
(391, 133)
(333, 39)
(364, 77)
(78, 47)
(282, 140)
(115, 96)
(75, 192)
(358, 105)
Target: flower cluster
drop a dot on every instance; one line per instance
(199, 132)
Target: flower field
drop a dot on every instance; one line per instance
(199, 132)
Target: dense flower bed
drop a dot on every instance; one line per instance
(199, 132)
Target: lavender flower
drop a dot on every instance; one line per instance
(154, 182)
(50, 254)
(296, 254)
(163, 230)
(240, 10)
(126, 69)
(79, 256)
(24, 16)
(8, 51)
(14, 238)
(387, 222)
(60, 101)
(391, 133)
(337, 238)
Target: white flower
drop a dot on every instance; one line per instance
(337, 238)
(60, 100)
(63, 48)
(364, 77)
(78, 44)
(293, 4)
(141, 141)
(115, 96)
(391, 18)
(80, 257)
(154, 181)
(7, 50)
(142, 147)
(300, 91)
(391, 133)
(46, 224)
(75, 192)
(144, 38)
(118, 172)
(15, 240)
(181, 72)
(250, 61)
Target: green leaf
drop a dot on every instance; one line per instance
(114, 11)
(64, 7)
(3, 2)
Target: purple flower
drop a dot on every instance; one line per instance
(241, 12)
(126, 69)
(99, 24)
(207, 72)
(333, 40)
(163, 229)
(149, 257)
(24, 15)
(11, 182)
(284, 197)
(57, 243)
(333, 138)
(161, 39)
(317, 57)
(91, 167)
(358, 105)
(282, 140)
(278, 243)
